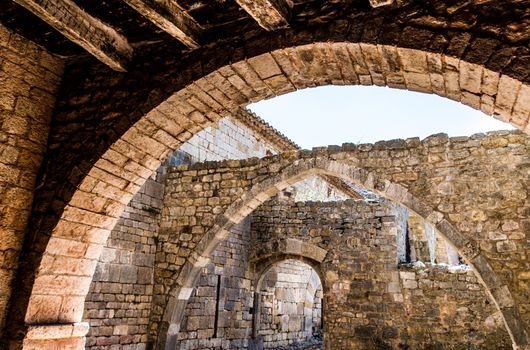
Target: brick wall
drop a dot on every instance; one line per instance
(29, 79)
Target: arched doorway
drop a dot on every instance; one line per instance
(288, 305)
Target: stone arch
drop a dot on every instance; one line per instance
(297, 171)
(263, 265)
(288, 246)
(67, 265)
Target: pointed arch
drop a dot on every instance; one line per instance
(275, 182)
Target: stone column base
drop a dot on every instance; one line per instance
(56, 336)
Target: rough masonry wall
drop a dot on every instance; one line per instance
(222, 319)
(370, 302)
(232, 139)
(447, 308)
(474, 189)
(118, 305)
(229, 139)
(119, 301)
(29, 79)
(100, 106)
(218, 313)
(426, 245)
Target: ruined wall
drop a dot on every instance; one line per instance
(218, 312)
(314, 188)
(427, 245)
(370, 302)
(473, 189)
(29, 79)
(229, 139)
(119, 302)
(89, 127)
(446, 308)
(360, 264)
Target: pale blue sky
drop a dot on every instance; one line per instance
(332, 115)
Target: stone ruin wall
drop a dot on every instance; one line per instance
(371, 302)
(119, 301)
(402, 307)
(426, 244)
(231, 327)
(118, 305)
(411, 159)
(218, 314)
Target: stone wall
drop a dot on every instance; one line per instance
(118, 306)
(218, 314)
(229, 139)
(371, 302)
(447, 308)
(427, 245)
(472, 53)
(29, 79)
(469, 188)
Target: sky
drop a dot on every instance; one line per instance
(332, 115)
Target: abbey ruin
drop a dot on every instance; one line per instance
(143, 207)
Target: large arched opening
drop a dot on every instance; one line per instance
(288, 303)
(57, 295)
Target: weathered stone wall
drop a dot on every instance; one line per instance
(315, 188)
(427, 245)
(470, 189)
(119, 301)
(29, 79)
(360, 263)
(118, 305)
(99, 108)
(229, 139)
(447, 308)
(218, 313)
(371, 301)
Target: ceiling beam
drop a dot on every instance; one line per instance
(171, 19)
(88, 32)
(270, 14)
(379, 3)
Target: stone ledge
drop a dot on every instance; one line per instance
(57, 331)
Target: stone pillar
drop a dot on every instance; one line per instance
(56, 336)
(29, 79)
